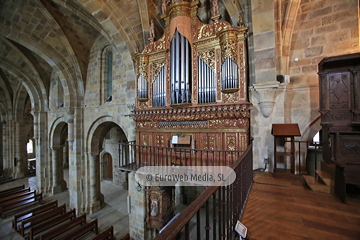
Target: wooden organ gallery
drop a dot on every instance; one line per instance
(192, 83)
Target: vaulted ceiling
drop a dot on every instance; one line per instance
(38, 37)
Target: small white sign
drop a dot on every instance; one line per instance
(240, 229)
(174, 139)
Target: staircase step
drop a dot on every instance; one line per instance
(329, 168)
(315, 185)
(325, 177)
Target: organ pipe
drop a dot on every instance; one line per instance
(159, 90)
(206, 83)
(142, 87)
(229, 74)
(181, 69)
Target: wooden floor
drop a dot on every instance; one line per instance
(281, 207)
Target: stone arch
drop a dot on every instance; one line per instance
(291, 12)
(93, 136)
(310, 131)
(58, 137)
(94, 147)
(37, 102)
(56, 96)
(62, 64)
(306, 136)
(115, 23)
(5, 91)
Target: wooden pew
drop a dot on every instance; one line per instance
(7, 191)
(32, 221)
(51, 223)
(33, 212)
(64, 228)
(21, 194)
(91, 226)
(107, 234)
(16, 203)
(126, 237)
(14, 192)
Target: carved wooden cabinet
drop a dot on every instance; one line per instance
(340, 117)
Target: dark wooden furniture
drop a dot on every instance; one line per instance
(41, 227)
(15, 194)
(43, 217)
(10, 190)
(15, 203)
(339, 84)
(64, 228)
(77, 233)
(281, 132)
(18, 218)
(107, 234)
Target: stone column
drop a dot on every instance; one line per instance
(137, 215)
(20, 157)
(58, 183)
(96, 199)
(42, 152)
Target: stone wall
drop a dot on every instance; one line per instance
(319, 29)
(322, 29)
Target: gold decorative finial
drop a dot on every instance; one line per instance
(240, 22)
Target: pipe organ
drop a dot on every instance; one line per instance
(195, 73)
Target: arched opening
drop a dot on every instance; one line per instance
(59, 158)
(31, 157)
(107, 167)
(107, 182)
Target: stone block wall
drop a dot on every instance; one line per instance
(320, 29)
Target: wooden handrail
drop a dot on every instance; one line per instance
(173, 229)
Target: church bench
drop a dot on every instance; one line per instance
(23, 192)
(51, 223)
(7, 191)
(107, 234)
(33, 212)
(126, 237)
(91, 226)
(16, 203)
(32, 221)
(64, 228)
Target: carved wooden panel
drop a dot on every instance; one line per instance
(350, 146)
(339, 91)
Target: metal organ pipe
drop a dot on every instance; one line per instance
(180, 69)
(159, 88)
(187, 71)
(172, 80)
(177, 66)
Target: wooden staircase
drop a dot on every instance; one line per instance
(323, 180)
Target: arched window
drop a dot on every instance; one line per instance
(30, 146)
(107, 73)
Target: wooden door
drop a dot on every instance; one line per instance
(110, 166)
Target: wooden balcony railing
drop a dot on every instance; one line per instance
(215, 212)
(133, 156)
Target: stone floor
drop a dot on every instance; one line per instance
(113, 213)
